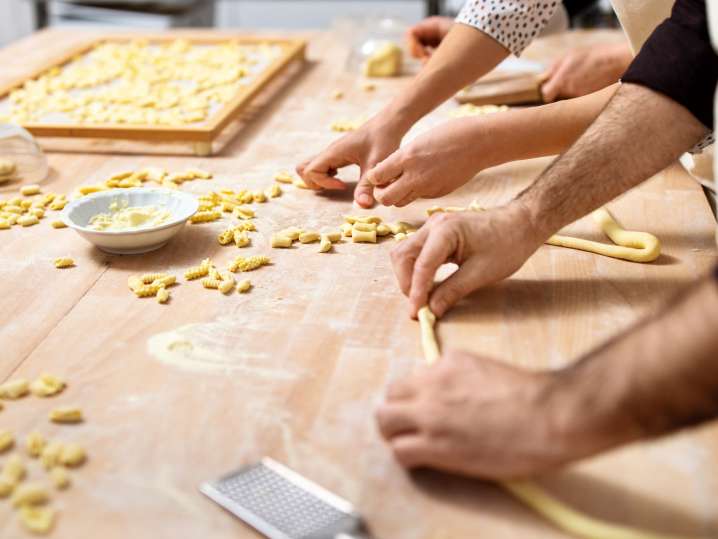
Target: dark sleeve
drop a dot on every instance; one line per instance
(715, 272)
(678, 60)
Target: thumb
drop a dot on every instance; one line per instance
(457, 286)
(363, 193)
(320, 171)
(551, 89)
(387, 171)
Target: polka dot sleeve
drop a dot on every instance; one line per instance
(513, 23)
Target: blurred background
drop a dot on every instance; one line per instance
(21, 17)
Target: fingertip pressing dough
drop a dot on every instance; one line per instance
(427, 320)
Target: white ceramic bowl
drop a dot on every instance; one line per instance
(77, 215)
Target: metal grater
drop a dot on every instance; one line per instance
(282, 504)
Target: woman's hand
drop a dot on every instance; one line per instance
(488, 246)
(365, 147)
(586, 70)
(435, 163)
(425, 36)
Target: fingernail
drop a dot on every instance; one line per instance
(365, 200)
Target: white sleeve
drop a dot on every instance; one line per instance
(513, 23)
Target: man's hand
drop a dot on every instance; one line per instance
(424, 37)
(488, 246)
(474, 416)
(585, 70)
(434, 164)
(364, 147)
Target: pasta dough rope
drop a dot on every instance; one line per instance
(556, 512)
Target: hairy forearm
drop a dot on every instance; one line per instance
(464, 55)
(659, 376)
(637, 134)
(540, 131)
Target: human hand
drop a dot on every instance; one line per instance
(585, 70)
(365, 147)
(425, 36)
(488, 246)
(474, 416)
(434, 164)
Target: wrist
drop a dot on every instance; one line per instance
(583, 412)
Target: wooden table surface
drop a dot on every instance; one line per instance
(295, 368)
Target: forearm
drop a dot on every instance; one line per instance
(659, 376)
(545, 130)
(464, 55)
(638, 134)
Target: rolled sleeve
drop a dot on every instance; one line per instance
(678, 60)
(513, 23)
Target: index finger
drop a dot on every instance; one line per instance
(319, 173)
(403, 257)
(437, 249)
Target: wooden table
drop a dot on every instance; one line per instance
(295, 368)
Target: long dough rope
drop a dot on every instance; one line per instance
(630, 245)
(559, 514)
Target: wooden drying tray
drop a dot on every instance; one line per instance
(200, 136)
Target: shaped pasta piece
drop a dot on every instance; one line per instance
(251, 263)
(28, 220)
(39, 520)
(205, 216)
(309, 237)
(279, 241)
(325, 245)
(35, 444)
(6, 486)
(298, 182)
(60, 477)
(14, 469)
(29, 190)
(274, 191)
(211, 283)
(243, 212)
(243, 286)
(364, 227)
(363, 236)
(382, 230)
(259, 196)
(14, 389)
(346, 229)
(196, 272)
(66, 415)
(72, 455)
(241, 239)
(163, 295)
(47, 385)
(64, 262)
(226, 236)
(58, 224)
(30, 494)
(293, 232)
(284, 177)
(7, 440)
(50, 456)
(4, 224)
(334, 236)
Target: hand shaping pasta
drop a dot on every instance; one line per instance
(488, 246)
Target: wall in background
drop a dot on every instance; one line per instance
(309, 13)
(16, 20)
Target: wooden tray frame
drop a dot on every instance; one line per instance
(201, 136)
